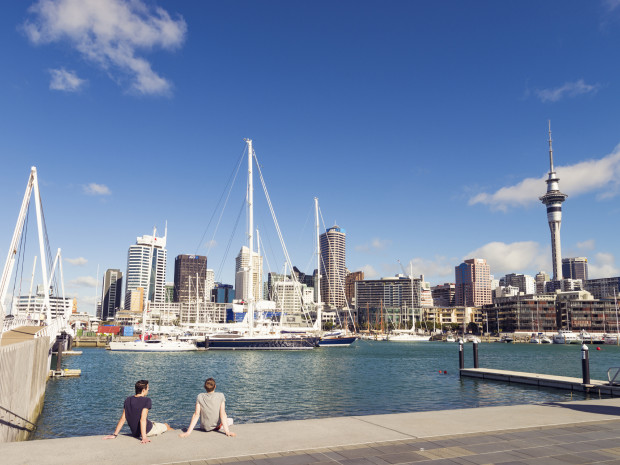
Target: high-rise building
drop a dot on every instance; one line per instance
(473, 283)
(111, 294)
(394, 300)
(349, 288)
(210, 281)
(553, 201)
(190, 275)
(242, 266)
(333, 267)
(540, 279)
(603, 288)
(443, 295)
(223, 293)
(575, 268)
(524, 282)
(139, 268)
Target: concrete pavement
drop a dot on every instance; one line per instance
(568, 432)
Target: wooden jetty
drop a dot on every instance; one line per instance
(65, 373)
(541, 380)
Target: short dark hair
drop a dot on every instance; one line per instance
(210, 385)
(141, 386)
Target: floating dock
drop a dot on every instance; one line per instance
(66, 373)
(537, 379)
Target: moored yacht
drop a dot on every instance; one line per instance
(565, 336)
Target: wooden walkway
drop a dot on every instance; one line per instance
(20, 334)
(541, 380)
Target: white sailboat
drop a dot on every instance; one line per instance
(152, 345)
(245, 336)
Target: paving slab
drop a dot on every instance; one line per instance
(450, 436)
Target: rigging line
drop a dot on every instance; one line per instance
(230, 239)
(275, 220)
(20, 259)
(232, 183)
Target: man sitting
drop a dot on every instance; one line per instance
(211, 409)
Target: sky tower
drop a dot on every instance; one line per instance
(553, 200)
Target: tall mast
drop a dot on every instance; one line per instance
(250, 203)
(319, 313)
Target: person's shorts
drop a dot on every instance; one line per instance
(157, 429)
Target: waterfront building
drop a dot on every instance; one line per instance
(553, 200)
(170, 291)
(540, 280)
(349, 286)
(139, 268)
(571, 285)
(443, 295)
(473, 283)
(31, 306)
(288, 295)
(505, 291)
(190, 276)
(223, 293)
(575, 268)
(437, 317)
(603, 288)
(111, 294)
(573, 310)
(387, 301)
(333, 267)
(242, 265)
(426, 295)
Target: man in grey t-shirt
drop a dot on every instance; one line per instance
(211, 409)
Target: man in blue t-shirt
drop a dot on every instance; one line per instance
(135, 411)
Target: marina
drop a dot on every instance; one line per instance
(365, 378)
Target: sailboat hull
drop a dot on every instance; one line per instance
(338, 341)
(260, 343)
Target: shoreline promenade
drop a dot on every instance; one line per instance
(551, 433)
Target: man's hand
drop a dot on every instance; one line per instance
(110, 436)
(231, 434)
(184, 435)
(145, 440)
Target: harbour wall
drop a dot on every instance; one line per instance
(23, 374)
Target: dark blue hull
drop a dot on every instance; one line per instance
(261, 343)
(340, 341)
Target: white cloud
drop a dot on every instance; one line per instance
(439, 268)
(210, 244)
(569, 89)
(611, 4)
(591, 175)
(603, 266)
(375, 245)
(517, 257)
(97, 189)
(369, 272)
(109, 33)
(77, 261)
(66, 81)
(586, 245)
(83, 281)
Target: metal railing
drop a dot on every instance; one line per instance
(613, 376)
(6, 416)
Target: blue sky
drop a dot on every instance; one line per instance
(421, 126)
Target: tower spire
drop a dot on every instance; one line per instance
(551, 170)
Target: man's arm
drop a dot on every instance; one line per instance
(192, 423)
(224, 420)
(119, 425)
(145, 412)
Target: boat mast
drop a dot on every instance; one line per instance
(250, 203)
(319, 313)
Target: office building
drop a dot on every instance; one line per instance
(349, 286)
(540, 282)
(190, 276)
(603, 288)
(525, 283)
(111, 294)
(553, 200)
(222, 293)
(575, 268)
(210, 281)
(242, 267)
(146, 259)
(473, 283)
(443, 295)
(333, 267)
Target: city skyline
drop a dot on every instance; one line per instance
(421, 128)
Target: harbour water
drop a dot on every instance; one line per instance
(364, 379)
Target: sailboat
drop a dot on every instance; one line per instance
(152, 345)
(246, 336)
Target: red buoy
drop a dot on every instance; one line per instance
(598, 348)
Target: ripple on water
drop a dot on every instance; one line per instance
(364, 379)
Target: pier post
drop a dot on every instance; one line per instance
(461, 355)
(585, 364)
(59, 356)
(475, 345)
